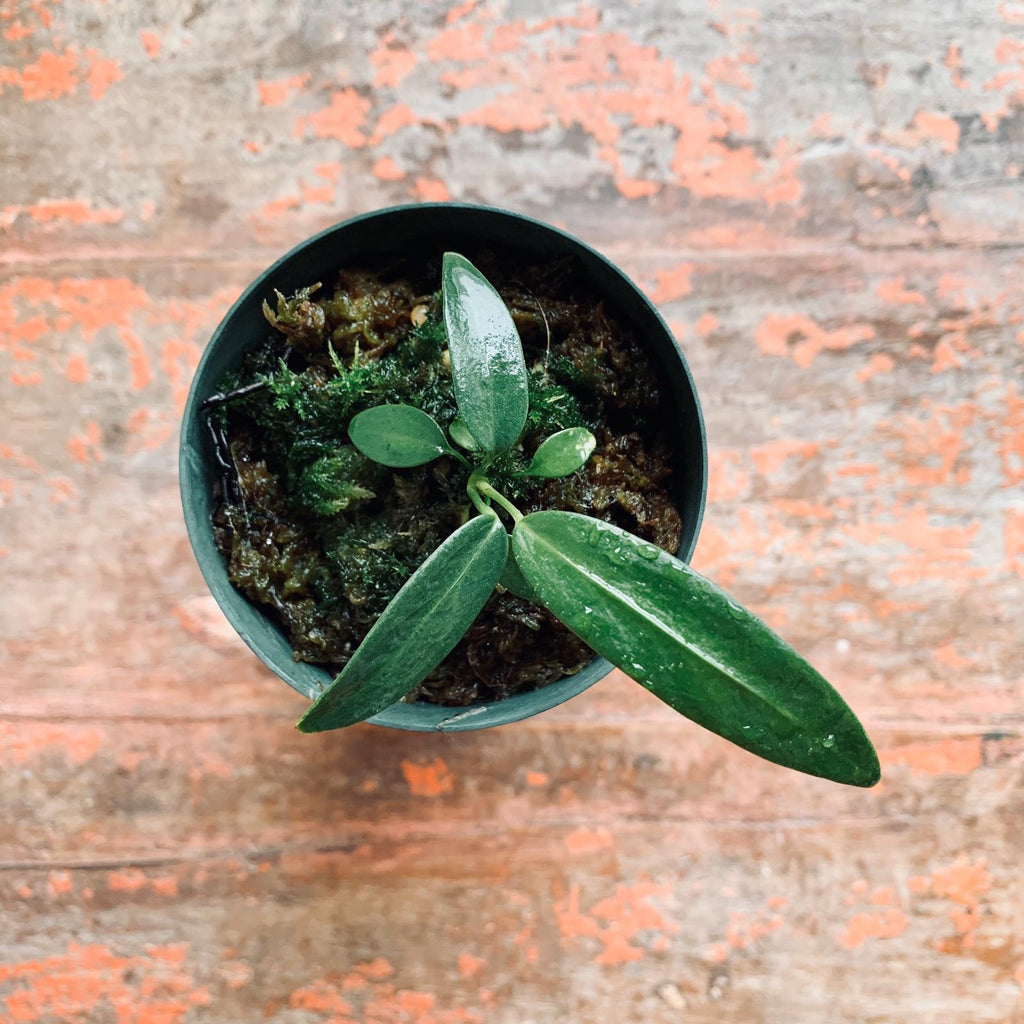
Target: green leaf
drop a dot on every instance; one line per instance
(562, 453)
(690, 644)
(418, 629)
(397, 435)
(512, 579)
(488, 367)
(459, 433)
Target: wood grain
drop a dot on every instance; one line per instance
(826, 203)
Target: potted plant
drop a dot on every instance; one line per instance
(630, 600)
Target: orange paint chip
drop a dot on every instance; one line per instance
(59, 883)
(129, 880)
(537, 779)
(49, 77)
(432, 190)
(583, 841)
(771, 457)
(166, 886)
(879, 363)
(391, 64)
(77, 369)
(939, 757)
(343, 119)
(385, 169)
(151, 43)
(673, 284)
(941, 127)
(885, 924)
(432, 780)
(802, 339)
(273, 94)
(277, 208)
(103, 73)
(893, 290)
(636, 188)
(707, 324)
(470, 965)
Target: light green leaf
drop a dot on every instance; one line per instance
(562, 453)
(690, 644)
(397, 435)
(418, 629)
(459, 433)
(488, 367)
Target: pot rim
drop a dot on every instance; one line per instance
(418, 716)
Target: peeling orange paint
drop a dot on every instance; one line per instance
(431, 779)
(537, 779)
(274, 94)
(385, 169)
(129, 880)
(940, 127)
(707, 324)
(49, 77)
(391, 63)
(431, 190)
(894, 290)
(879, 363)
(802, 339)
(151, 43)
(103, 73)
(883, 924)
(625, 915)
(60, 883)
(673, 284)
(583, 841)
(22, 745)
(343, 119)
(91, 982)
(938, 757)
(771, 457)
(470, 965)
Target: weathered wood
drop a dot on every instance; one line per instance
(826, 202)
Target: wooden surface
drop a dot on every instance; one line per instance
(826, 201)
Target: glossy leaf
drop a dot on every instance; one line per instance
(562, 453)
(418, 629)
(512, 579)
(399, 436)
(488, 367)
(690, 644)
(459, 433)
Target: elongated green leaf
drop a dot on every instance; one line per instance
(397, 435)
(488, 367)
(513, 580)
(690, 644)
(459, 433)
(562, 453)
(418, 629)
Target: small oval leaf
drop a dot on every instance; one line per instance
(488, 366)
(459, 433)
(690, 644)
(398, 436)
(418, 629)
(562, 453)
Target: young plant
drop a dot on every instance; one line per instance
(673, 631)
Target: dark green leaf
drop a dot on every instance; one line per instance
(488, 368)
(459, 433)
(513, 580)
(418, 629)
(690, 644)
(397, 435)
(562, 453)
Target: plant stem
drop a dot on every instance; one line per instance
(486, 489)
(474, 496)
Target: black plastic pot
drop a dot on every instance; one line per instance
(440, 226)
